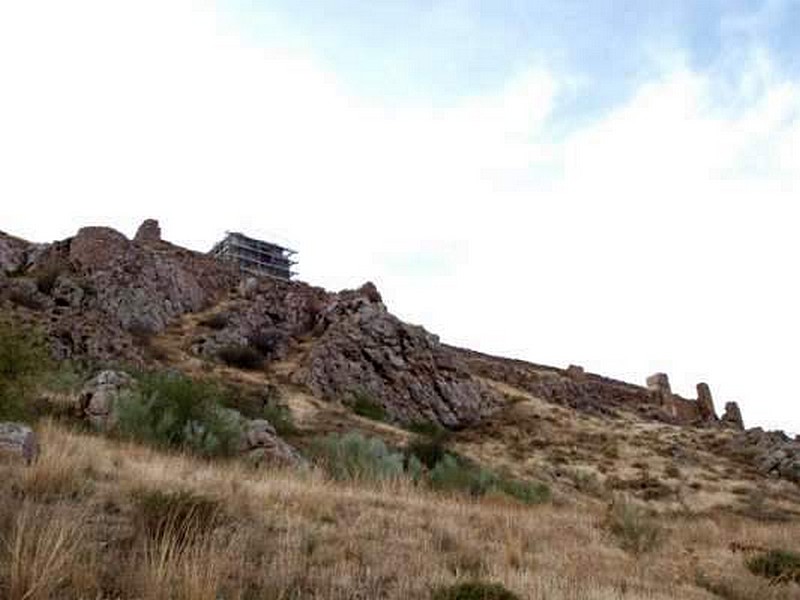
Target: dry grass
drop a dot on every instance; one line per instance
(298, 535)
(42, 553)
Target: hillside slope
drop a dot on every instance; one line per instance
(291, 364)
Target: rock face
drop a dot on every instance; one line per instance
(18, 440)
(98, 398)
(771, 452)
(100, 294)
(363, 350)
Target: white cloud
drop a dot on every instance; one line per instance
(659, 237)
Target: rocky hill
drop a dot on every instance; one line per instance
(341, 363)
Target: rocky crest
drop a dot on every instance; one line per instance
(98, 294)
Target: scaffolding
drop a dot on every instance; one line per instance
(255, 257)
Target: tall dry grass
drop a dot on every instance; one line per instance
(293, 534)
(43, 553)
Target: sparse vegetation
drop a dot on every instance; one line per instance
(456, 474)
(174, 411)
(240, 356)
(636, 530)
(215, 321)
(473, 590)
(365, 405)
(779, 566)
(23, 359)
(355, 457)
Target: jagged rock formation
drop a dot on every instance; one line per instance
(100, 295)
(771, 452)
(98, 291)
(363, 349)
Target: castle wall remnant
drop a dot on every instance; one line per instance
(705, 403)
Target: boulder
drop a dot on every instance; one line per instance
(18, 440)
(97, 401)
(260, 443)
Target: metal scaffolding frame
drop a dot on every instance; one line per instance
(256, 257)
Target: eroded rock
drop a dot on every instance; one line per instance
(98, 398)
(18, 440)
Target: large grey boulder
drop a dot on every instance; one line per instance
(18, 440)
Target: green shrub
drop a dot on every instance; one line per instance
(528, 492)
(355, 457)
(364, 405)
(636, 529)
(23, 359)
(280, 417)
(456, 474)
(240, 357)
(452, 474)
(174, 411)
(473, 590)
(780, 566)
(429, 449)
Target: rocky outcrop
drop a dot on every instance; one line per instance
(149, 232)
(100, 294)
(261, 444)
(361, 350)
(770, 452)
(97, 400)
(18, 440)
(13, 253)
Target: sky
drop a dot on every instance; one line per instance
(611, 184)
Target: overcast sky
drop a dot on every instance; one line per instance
(600, 183)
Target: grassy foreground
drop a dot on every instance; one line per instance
(98, 518)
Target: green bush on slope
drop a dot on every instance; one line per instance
(174, 411)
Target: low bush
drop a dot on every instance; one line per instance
(780, 566)
(26, 299)
(355, 457)
(637, 531)
(240, 357)
(453, 474)
(23, 360)
(365, 405)
(429, 449)
(215, 321)
(266, 341)
(174, 411)
(280, 417)
(473, 590)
